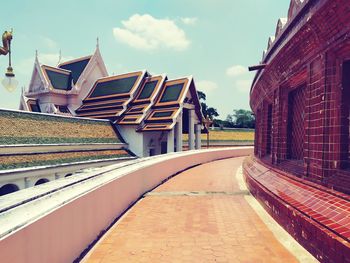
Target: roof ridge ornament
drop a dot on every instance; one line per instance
(59, 57)
(97, 43)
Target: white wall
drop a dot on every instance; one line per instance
(154, 140)
(61, 225)
(133, 138)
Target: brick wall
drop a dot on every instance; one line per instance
(304, 82)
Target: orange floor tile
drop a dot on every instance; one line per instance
(168, 225)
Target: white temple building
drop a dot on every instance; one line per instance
(151, 112)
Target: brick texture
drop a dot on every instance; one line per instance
(307, 83)
(317, 217)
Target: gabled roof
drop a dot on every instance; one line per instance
(170, 101)
(109, 96)
(294, 8)
(38, 82)
(280, 25)
(149, 89)
(115, 86)
(173, 92)
(143, 101)
(59, 79)
(76, 66)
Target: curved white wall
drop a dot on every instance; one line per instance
(60, 226)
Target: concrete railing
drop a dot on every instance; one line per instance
(60, 225)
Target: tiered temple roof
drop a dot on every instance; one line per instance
(76, 67)
(143, 101)
(171, 99)
(109, 96)
(66, 84)
(137, 98)
(82, 87)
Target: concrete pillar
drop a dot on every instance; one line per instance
(179, 135)
(170, 141)
(27, 182)
(191, 129)
(198, 137)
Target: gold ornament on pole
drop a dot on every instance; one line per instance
(9, 82)
(207, 122)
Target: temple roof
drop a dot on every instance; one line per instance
(135, 98)
(109, 96)
(153, 103)
(171, 100)
(60, 79)
(76, 67)
(115, 86)
(143, 101)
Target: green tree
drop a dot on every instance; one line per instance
(242, 119)
(206, 110)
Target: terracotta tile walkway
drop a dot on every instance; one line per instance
(171, 224)
(328, 209)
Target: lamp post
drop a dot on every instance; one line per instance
(207, 122)
(10, 83)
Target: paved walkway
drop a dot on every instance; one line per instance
(201, 215)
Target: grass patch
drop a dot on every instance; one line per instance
(227, 136)
(53, 140)
(43, 117)
(58, 161)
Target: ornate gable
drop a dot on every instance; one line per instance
(37, 82)
(270, 42)
(294, 8)
(280, 25)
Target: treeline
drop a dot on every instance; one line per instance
(238, 119)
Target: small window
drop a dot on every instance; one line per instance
(345, 115)
(147, 90)
(8, 188)
(117, 86)
(269, 130)
(296, 129)
(164, 147)
(162, 114)
(152, 152)
(63, 109)
(42, 181)
(172, 93)
(34, 107)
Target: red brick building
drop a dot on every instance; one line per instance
(301, 98)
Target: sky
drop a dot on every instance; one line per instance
(212, 40)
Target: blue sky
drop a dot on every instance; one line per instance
(213, 40)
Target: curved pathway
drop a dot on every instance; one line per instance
(200, 215)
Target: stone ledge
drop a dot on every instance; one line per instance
(13, 174)
(317, 219)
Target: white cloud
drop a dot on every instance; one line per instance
(145, 32)
(25, 66)
(206, 86)
(48, 42)
(189, 20)
(236, 70)
(242, 78)
(52, 59)
(243, 85)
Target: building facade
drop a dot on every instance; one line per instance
(150, 112)
(301, 97)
